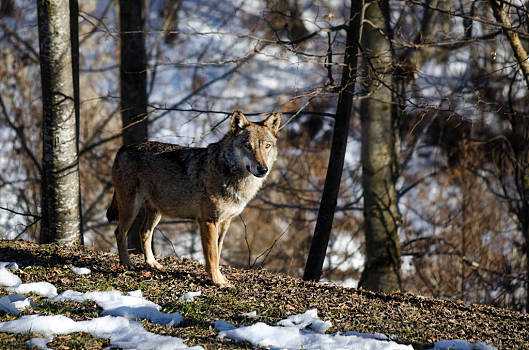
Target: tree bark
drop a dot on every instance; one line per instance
(74, 39)
(133, 80)
(517, 154)
(60, 209)
(320, 240)
(379, 158)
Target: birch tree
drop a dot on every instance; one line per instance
(60, 204)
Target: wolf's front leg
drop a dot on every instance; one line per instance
(209, 237)
(222, 230)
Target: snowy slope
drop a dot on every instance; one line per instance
(120, 312)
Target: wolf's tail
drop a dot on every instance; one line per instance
(112, 211)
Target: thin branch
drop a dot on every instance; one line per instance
(95, 28)
(453, 13)
(20, 213)
(20, 136)
(33, 53)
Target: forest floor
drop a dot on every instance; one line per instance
(409, 319)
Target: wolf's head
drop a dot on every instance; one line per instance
(253, 145)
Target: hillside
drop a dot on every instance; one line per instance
(409, 319)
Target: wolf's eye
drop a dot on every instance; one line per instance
(248, 146)
(268, 145)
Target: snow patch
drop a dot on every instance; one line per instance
(45, 289)
(14, 283)
(81, 270)
(189, 296)
(8, 265)
(292, 333)
(121, 332)
(458, 344)
(132, 306)
(8, 279)
(223, 326)
(250, 314)
(39, 343)
(309, 319)
(14, 303)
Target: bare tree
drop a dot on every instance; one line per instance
(320, 240)
(60, 163)
(133, 80)
(379, 157)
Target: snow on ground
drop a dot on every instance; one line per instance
(7, 279)
(132, 306)
(14, 303)
(307, 331)
(117, 323)
(189, 296)
(14, 284)
(250, 314)
(462, 345)
(81, 270)
(304, 331)
(39, 343)
(45, 289)
(122, 333)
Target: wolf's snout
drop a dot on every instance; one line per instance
(259, 171)
(262, 170)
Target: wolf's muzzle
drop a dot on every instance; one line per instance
(260, 171)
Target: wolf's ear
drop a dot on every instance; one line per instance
(238, 121)
(273, 122)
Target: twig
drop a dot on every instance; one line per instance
(19, 213)
(20, 136)
(247, 243)
(267, 251)
(168, 240)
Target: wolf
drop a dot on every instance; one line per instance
(210, 185)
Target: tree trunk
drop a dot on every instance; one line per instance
(74, 39)
(60, 163)
(133, 79)
(514, 40)
(518, 145)
(525, 233)
(320, 240)
(379, 159)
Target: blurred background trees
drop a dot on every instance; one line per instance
(445, 79)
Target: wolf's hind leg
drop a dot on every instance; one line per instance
(127, 211)
(121, 239)
(152, 218)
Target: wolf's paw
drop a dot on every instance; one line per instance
(128, 265)
(155, 265)
(220, 281)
